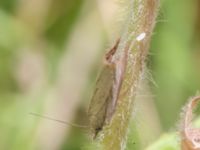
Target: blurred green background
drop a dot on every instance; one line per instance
(50, 52)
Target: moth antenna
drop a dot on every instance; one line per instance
(60, 121)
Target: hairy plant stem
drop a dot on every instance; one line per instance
(133, 46)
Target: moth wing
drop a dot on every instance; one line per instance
(101, 97)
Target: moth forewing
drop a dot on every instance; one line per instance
(100, 99)
(103, 94)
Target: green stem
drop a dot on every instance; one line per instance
(134, 44)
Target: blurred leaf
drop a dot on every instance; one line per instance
(8, 5)
(62, 16)
(166, 142)
(7, 81)
(12, 35)
(12, 32)
(172, 62)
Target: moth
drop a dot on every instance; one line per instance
(104, 98)
(100, 107)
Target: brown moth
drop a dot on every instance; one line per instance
(104, 98)
(103, 94)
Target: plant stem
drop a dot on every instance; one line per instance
(133, 46)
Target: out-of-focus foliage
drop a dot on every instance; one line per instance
(172, 61)
(50, 51)
(170, 141)
(166, 142)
